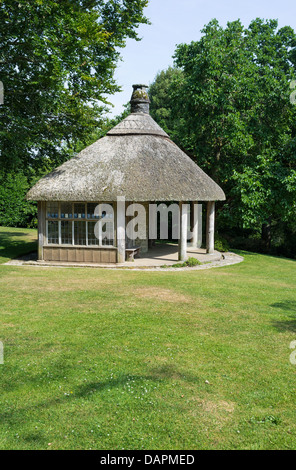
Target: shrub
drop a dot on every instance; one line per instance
(189, 263)
(192, 262)
(221, 244)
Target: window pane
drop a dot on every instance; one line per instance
(92, 239)
(66, 233)
(107, 233)
(66, 210)
(79, 211)
(101, 233)
(53, 232)
(79, 233)
(91, 206)
(52, 210)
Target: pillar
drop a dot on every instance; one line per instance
(120, 229)
(210, 242)
(194, 224)
(41, 228)
(183, 231)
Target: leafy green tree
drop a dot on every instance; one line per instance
(57, 63)
(162, 105)
(101, 131)
(15, 211)
(231, 112)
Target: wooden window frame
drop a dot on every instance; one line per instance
(72, 219)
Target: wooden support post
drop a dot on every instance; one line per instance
(194, 224)
(210, 242)
(183, 231)
(41, 228)
(120, 229)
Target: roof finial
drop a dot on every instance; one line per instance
(140, 99)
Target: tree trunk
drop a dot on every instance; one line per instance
(266, 234)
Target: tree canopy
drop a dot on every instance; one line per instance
(57, 63)
(227, 103)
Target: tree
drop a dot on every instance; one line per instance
(231, 96)
(162, 105)
(15, 211)
(57, 63)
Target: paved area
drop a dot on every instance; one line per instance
(161, 257)
(167, 254)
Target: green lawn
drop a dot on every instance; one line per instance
(122, 359)
(16, 241)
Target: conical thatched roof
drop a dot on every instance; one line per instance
(136, 160)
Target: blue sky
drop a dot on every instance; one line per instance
(180, 21)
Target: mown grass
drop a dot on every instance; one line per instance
(15, 242)
(122, 359)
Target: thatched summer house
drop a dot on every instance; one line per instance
(136, 162)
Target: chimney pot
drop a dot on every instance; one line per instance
(140, 99)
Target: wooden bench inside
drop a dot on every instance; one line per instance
(131, 253)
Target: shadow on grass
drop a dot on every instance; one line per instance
(156, 375)
(245, 253)
(170, 372)
(287, 306)
(7, 234)
(15, 416)
(12, 248)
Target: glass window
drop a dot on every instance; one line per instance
(66, 210)
(73, 228)
(92, 239)
(66, 232)
(91, 209)
(101, 233)
(52, 210)
(79, 233)
(107, 232)
(79, 211)
(53, 231)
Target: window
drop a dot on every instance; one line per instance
(80, 224)
(66, 232)
(101, 232)
(91, 237)
(53, 231)
(66, 210)
(52, 210)
(79, 211)
(79, 233)
(92, 210)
